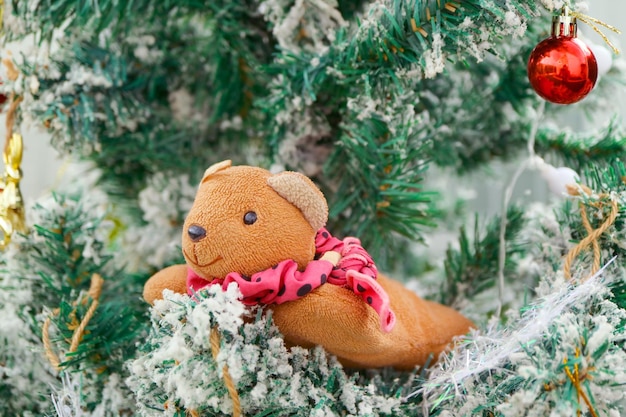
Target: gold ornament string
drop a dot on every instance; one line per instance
(593, 23)
(592, 234)
(95, 288)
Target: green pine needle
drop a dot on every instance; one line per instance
(473, 267)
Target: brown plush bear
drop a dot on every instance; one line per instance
(266, 233)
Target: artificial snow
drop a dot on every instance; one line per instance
(434, 58)
(304, 25)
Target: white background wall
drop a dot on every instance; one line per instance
(42, 167)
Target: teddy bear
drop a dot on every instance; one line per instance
(266, 232)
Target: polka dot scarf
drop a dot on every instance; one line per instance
(283, 282)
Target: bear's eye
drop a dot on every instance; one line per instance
(249, 217)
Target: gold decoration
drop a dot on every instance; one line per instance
(593, 23)
(12, 217)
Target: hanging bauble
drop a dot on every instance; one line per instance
(562, 69)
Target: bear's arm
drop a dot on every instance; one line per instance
(172, 278)
(339, 320)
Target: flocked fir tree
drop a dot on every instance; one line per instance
(366, 98)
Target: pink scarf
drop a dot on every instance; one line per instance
(283, 282)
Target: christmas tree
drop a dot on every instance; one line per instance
(383, 104)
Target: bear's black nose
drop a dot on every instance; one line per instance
(196, 233)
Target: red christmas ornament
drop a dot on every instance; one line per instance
(562, 69)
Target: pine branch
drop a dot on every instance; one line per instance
(578, 151)
(215, 47)
(386, 46)
(399, 33)
(384, 200)
(144, 106)
(458, 123)
(618, 296)
(609, 178)
(66, 250)
(47, 15)
(481, 111)
(473, 267)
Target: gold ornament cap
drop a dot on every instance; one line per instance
(564, 24)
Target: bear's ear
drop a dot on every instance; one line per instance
(215, 168)
(300, 191)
